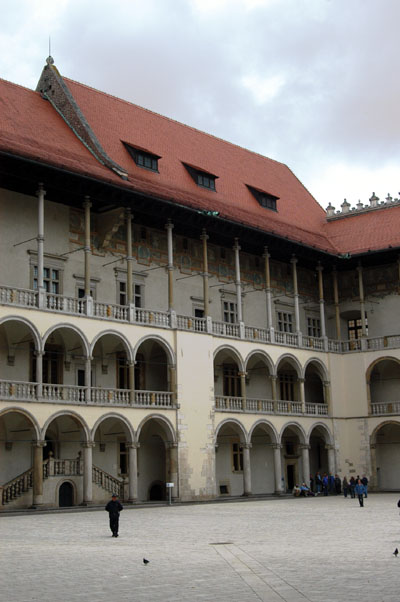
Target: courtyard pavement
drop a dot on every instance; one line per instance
(292, 550)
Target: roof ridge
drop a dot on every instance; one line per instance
(7, 81)
(180, 123)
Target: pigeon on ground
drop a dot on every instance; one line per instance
(396, 552)
(145, 561)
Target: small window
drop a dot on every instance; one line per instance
(237, 457)
(354, 328)
(314, 327)
(230, 312)
(143, 158)
(285, 321)
(202, 178)
(51, 280)
(266, 200)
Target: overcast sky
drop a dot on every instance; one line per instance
(311, 83)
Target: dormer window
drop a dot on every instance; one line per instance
(202, 178)
(143, 158)
(266, 200)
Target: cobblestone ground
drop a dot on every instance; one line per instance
(318, 549)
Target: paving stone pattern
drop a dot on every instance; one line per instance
(292, 550)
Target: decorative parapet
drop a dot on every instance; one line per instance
(347, 210)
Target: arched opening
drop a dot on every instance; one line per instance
(156, 460)
(384, 383)
(152, 367)
(156, 491)
(291, 452)
(66, 494)
(288, 386)
(318, 452)
(112, 379)
(18, 346)
(258, 383)
(227, 380)
(388, 456)
(262, 459)
(229, 463)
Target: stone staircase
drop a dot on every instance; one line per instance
(15, 488)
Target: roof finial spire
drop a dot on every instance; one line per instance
(50, 60)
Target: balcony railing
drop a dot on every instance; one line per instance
(225, 403)
(385, 408)
(164, 319)
(65, 394)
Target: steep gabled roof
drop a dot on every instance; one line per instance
(33, 127)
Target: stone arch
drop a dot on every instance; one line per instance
(322, 369)
(66, 326)
(265, 471)
(262, 354)
(237, 423)
(115, 416)
(292, 360)
(35, 333)
(377, 361)
(118, 335)
(59, 485)
(70, 414)
(297, 428)
(165, 422)
(323, 427)
(231, 458)
(27, 415)
(268, 426)
(229, 372)
(230, 350)
(292, 438)
(162, 342)
(385, 454)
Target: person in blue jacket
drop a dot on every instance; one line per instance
(360, 491)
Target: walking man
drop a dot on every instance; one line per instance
(113, 508)
(360, 490)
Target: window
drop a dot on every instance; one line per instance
(51, 366)
(230, 312)
(354, 328)
(143, 158)
(51, 280)
(231, 385)
(202, 178)
(266, 200)
(123, 458)
(285, 321)
(122, 372)
(286, 385)
(136, 296)
(313, 327)
(198, 312)
(237, 457)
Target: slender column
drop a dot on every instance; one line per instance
(331, 458)
(87, 473)
(204, 237)
(336, 301)
(88, 378)
(305, 456)
(133, 478)
(40, 246)
(302, 396)
(293, 261)
(362, 300)
(172, 383)
(373, 481)
(170, 267)
(87, 205)
(37, 497)
(278, 468)
(39, 373)
(327, 394)
(238, 285)
(246, 469)
(173, 468)
(321, 299)
(268, 291)
(243, 388)
(131, 384)
(129, 279)
(274, 379)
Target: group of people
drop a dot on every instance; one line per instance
(328, 484)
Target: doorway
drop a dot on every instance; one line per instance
(66, 495)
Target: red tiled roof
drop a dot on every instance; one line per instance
(30, 127)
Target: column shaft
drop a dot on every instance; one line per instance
(87, 473)
(268, 291)
(129, 278)
(133, 479)
(246, 469)
(37, 497)
(173, 468)
(278, 468)
(204, 238)
(336, 301)
(362, 301)
(296, 295)
(321, 300)
(40, 246)
(238, 285)
(170, 266)
(87, 205)
(305, 456)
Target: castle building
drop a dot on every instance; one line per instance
(177, 312)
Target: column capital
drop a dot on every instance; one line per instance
(89, 444)
(236, 246)
(266, 254)
(329, 446)
(293, 260)
(304, 446)
(171, 445)
(39, 443)
(169, 225)
(301, 380)
(243, 373)
(204, 235)
(132, 445)
(128, 213)
(277, 446)
(326, 383)
(246, 445)
(319, 267)
(87, 202)
(40, 189)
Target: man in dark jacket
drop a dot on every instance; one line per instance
(113, 508)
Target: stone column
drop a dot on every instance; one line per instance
(40, 246)
(131, 383)
(89, 301)
(39, 373)
(274, 378)
(243, 388)
(373, 479)
(173, 468)
(37, 494)
(331, 458)
(170, 267)
(88, 378)
(87, 473)
(278, 468)
(129, 278)
(321, 299)
(336, 301)
(133, 478)
(362, 300)
(305, 456)
(268, 293)
(236, 249)
(293, 261)
(204, 238)
(172, 383)
(327, 394)
(302, 395)
(246, 469)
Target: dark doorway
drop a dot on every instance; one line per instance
(66, 495)
(49, 447)
(290, 477)
(156, 492)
